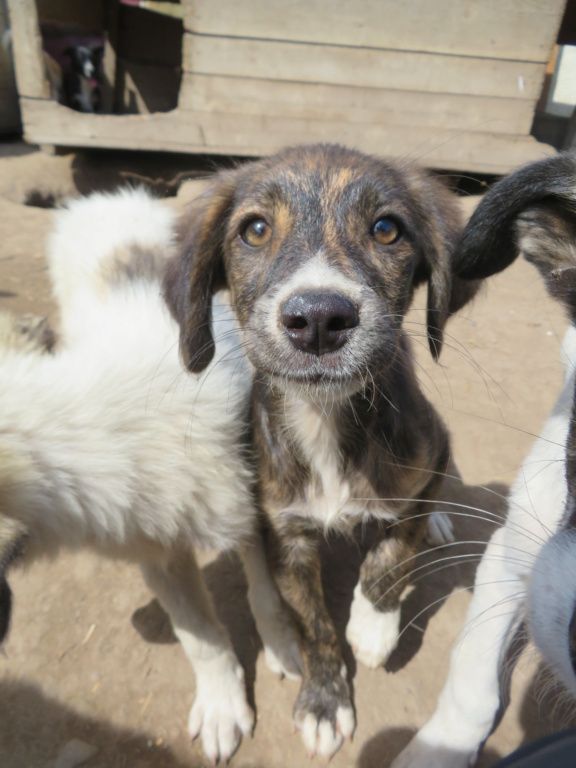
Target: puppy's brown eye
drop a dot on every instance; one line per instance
(257, 232)
(386, 231)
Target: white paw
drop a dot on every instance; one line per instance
(421, 754)
(322, 738)
(440, 530)
(372, 634)
(220, 714)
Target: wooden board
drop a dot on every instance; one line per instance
(361, 67)
(182, 131)
(501, 29)
(455, 90)
(27, 49)
(312, 101)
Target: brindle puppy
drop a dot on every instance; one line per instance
(321, 248)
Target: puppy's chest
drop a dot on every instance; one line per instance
(333, 492)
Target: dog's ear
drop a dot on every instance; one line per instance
(440, 227)
(196, 272)
(546, 236)
(489, 243)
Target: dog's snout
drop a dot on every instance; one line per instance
(318, 322)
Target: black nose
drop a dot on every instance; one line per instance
(318, 322)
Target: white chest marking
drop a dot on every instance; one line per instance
(328, 493)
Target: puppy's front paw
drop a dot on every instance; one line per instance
(372, 634)
(324, 715)
(422, 754)
(440, 530)
(220, 714)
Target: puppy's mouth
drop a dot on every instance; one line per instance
(318, 374)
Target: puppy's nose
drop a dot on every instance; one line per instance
(318, 322)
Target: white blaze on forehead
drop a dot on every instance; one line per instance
(317, 274)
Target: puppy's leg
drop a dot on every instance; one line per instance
(470, 699)
(374, 626)
(275, 627)
(323, 710)
(220, 713)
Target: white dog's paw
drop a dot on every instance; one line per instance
(422, 754)
(440, 529)
(220, 714)
(372, 634)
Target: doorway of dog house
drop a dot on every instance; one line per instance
(113, 56)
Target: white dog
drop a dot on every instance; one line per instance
(528, 571)
(110, 444)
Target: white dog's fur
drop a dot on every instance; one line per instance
(111, 444)
(527, 576)
(515, 569)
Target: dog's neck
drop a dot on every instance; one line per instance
(332, 460)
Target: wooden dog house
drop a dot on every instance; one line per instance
(451, 83)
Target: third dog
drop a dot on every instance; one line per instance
(528, 571)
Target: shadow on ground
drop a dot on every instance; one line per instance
(30, 719)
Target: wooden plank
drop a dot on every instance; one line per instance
(514, 29)
(362, 67)
(181, 131)
(110, 86)
(247, 96)
(27, 49)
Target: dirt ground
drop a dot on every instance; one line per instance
(91, 656)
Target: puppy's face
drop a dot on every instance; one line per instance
(320, 256)
(321, 248)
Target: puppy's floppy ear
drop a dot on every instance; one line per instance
(440, 226)
(197, 270)
(489, 242)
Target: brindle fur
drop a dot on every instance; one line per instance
(388, 444)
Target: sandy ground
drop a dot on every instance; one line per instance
(91, 656)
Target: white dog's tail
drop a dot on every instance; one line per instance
(94, 238)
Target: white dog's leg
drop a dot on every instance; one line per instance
(471, 696)
(276, 630)
(220, 713)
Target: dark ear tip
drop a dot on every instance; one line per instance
(435, 341)
(196, 359)
(197, 367)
